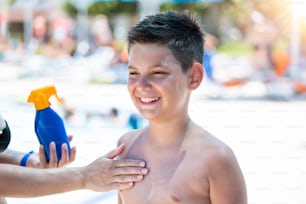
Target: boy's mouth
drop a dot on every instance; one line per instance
(148, 99)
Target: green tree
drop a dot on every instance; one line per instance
(106, 8)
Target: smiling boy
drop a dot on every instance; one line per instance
(187, 164)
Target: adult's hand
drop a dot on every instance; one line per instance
(40, 160)
(106, 173)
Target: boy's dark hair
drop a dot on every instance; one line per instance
(178, 30)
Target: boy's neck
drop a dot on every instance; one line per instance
(170, 133)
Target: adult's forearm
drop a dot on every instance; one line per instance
(11, 157)
(28, 182)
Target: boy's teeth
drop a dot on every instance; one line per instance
(148, 100)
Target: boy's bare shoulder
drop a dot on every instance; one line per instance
(217, 153)
(129, 137)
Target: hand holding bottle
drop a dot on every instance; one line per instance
(40, 160)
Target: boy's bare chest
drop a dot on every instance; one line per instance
(173, 178)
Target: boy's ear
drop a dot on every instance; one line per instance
(196, 75)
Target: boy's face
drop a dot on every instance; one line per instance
(156, 83)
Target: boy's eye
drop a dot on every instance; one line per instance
(133, 73)
(159, 72)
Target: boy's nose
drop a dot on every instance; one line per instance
(144, 83)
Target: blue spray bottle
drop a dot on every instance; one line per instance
(48, 124)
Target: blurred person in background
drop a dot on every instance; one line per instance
(209, 52)
(300, 82)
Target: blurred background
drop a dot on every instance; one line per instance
(253, 95)
(253, 48)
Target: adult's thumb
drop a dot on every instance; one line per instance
(116, 152)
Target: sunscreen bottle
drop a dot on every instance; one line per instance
(48, 124)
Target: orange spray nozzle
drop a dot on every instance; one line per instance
(40, 97)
